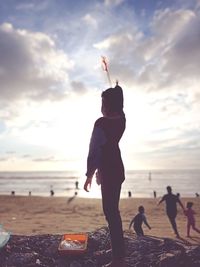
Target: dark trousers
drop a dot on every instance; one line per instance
(172, 219)
(110, 202)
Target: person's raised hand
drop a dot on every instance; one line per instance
(87, 184)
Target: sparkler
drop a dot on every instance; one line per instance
(105, 68)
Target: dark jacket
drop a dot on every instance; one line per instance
(104, 154)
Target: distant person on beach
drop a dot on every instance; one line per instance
(154, 194)
(51, 192)
(171, 208)
(76, 185)
(150, 176)
(129, 194)
(138, 220)
(189, 212)
(105, 157)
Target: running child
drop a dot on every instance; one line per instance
(138, 220)
(189, 213)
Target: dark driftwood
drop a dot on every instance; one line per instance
(42, 250)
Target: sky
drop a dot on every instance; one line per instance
(51, 80)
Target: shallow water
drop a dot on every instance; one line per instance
(141, 183)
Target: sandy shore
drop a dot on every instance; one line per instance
(52, 215)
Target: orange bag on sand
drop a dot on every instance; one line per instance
(73, 244)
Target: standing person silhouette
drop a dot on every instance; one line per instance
(105, 157)
(171, 208)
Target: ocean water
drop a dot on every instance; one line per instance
(141, 183)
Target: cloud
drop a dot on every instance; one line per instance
(31, 65)
(153, 53)
(173, 51)
(8, 111)
(32, 6)
(3, 159)
(49, 159)
(113, 2)
(167, 55)
(183, 59)
(120, 41)
(26, 156)
(90, 20)
(78, 87)
(10, 152)
(25, 6)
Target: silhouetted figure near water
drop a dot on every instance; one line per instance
(51, 192)
(76, 185)
(13, 193)
(154, 194)
(129, 194)
(171, 209)
(150, 176)
(104, 157)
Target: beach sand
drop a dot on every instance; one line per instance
(30, 215)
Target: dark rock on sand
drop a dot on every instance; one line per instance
(148, 251)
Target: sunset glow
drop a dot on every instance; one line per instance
(52, 78)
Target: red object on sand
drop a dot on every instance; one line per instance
(73, 244)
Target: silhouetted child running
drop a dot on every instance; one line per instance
(138, 220)
(189, 212)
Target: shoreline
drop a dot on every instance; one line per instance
(140, 183)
